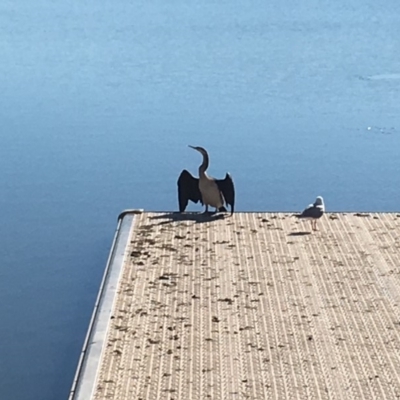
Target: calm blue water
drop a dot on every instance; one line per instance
(99, 100)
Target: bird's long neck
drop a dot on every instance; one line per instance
(203, 167)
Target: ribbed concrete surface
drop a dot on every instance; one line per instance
(248, 307)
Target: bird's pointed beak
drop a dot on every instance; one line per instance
(192, 147)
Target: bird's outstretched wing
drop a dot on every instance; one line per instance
(227, 188)
(188, 189)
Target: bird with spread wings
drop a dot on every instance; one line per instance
(209, 191)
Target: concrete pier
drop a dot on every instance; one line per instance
(249, 306)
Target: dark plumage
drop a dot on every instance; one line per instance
(227, 189)
(188, 189)
(207, 190)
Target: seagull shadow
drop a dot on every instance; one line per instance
(199, 218)
(299, 233)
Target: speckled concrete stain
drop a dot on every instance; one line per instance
(254, 306)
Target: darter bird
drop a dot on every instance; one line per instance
(209, 191)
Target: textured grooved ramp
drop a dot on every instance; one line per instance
(254, 307)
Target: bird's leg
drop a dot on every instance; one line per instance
(206, 210)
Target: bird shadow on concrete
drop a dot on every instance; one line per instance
(199, 218)
(299, 233)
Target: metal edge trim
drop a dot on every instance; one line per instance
(85, 377)
(130, 211)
